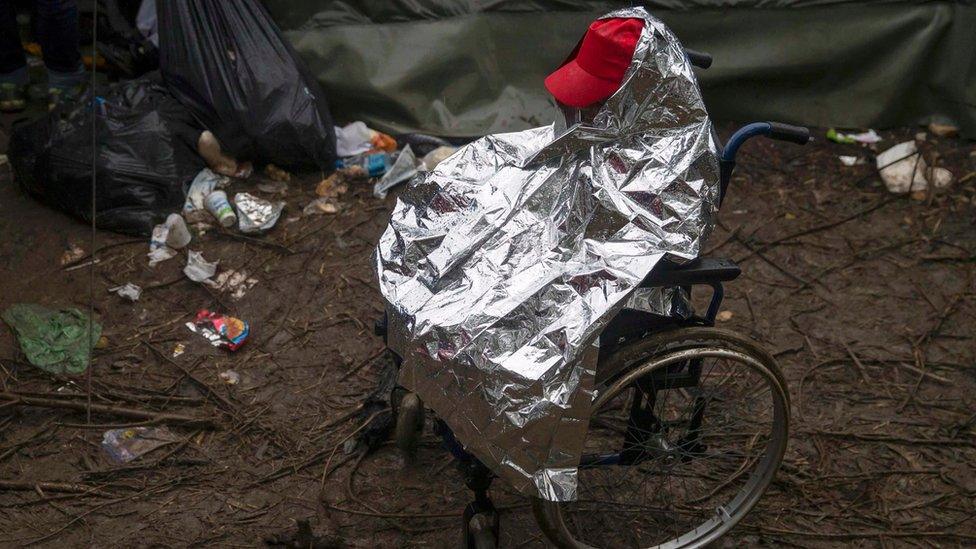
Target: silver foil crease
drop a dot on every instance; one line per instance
(501, 267)
(256, 215)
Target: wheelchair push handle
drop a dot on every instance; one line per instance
(699, 59)
(788, 132)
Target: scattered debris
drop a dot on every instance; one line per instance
(277, 174)
(179, 349)
(940, 178)
(222, 331)
(943, 130)
(71, 254)
(374, 164)
(56, 341)
(724, 316)
(235, 282)
(206, 182)
(865, 138)
(332, 186)
(230, 377)
(275, 187)
(125, 445)
(353, 139)
(256, 215)
(199, 269)
(168, 237)
(218, 205)
(436, 156)
(382, 142)
(852, 160)
(903, 168)
(402, 170)
(321, 206)
(128, 291)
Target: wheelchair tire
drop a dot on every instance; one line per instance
(669, 493)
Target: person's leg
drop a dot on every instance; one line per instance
(13, 64)
(58, 34)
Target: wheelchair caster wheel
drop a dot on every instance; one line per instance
(481, 532)
(409, 424)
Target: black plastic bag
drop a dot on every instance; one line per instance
(228, 63)
(146, 157)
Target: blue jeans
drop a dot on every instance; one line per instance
(56, 29)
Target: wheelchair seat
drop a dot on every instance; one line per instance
(703, 270)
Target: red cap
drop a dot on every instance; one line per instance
(597, 67)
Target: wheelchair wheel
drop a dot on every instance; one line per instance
(688, 430)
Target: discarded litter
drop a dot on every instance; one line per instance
(943, 130)
(71, 254)
(256, 215)
(230, 377)
(865, 138)
(222, 331)
(939, 177)
(353, 139)
(852, 160)
(235, 282)
(436, 156)
(374, 164)
(902, 168)
(56, 341)
(125, 445)
(335, 185)
(179, 349)
(218, 205)
(321, 206)
(166, 238)
(197, 268)
(206, 182)
(403, 169)
(724, 316)
(275, 187)
(128, 291)
(275, 173)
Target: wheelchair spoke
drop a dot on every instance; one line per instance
(689, 446)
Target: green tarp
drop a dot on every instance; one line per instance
(470, 67)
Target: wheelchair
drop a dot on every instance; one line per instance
(688, 429)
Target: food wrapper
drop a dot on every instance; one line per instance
(221, 330)
(256, 215)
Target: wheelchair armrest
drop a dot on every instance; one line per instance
(704, 270)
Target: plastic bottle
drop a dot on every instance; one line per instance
(217, 204)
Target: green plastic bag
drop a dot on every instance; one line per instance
(54, 341)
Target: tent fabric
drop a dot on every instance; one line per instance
(465, 68)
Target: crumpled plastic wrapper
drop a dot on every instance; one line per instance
(256, 215)
(502, 266)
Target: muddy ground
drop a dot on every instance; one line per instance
(867, 299)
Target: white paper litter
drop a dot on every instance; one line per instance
(128, 291)
(902, 168)
(353, 139)
(197, 268)
(235, 282)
